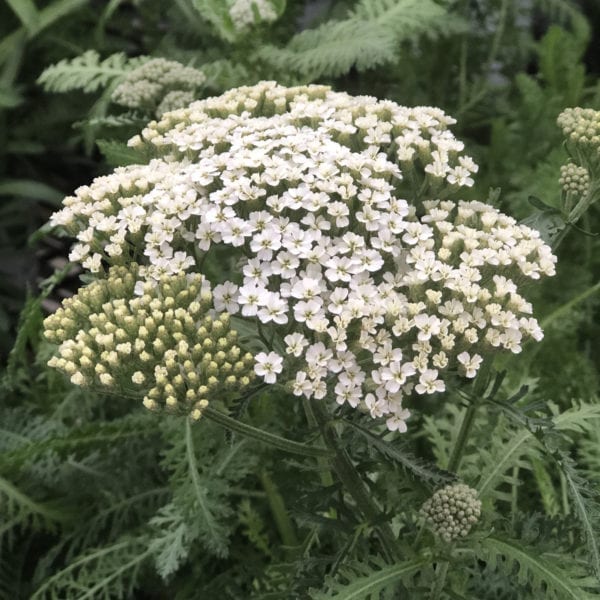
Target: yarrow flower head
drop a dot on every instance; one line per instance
(246, 13)
(581, 126)
(574, 180)
(365, 282)
(452, 511)
(164, 344)
(158, 86)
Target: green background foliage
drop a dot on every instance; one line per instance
(101, 499)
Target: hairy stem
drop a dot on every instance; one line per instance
(354, 485)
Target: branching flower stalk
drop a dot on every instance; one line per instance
(354, 485)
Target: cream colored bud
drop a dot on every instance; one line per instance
(121, 335)
(196, 414)
(190, 395)
(106, 379)
(233, 354)
(85, 362)
(226, 368)
(69, 367)
(138, 378)
(171, 401)
(149, 403)
(206, 298)
(78, 378)
(124, 348)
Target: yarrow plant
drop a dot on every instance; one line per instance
(364, 276)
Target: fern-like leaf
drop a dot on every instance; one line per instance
(99, 574)
(367, 582)
(587, 507)
(369, 37)
(86, 72)
(548, 575)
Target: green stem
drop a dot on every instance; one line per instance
(479, 388)
(262, 436)
(354, 485)
(325, 473)
(283, 522)
(441, 571)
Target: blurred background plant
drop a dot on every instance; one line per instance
(100, 501)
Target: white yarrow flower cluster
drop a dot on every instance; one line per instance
(370, 280)
(243, 12)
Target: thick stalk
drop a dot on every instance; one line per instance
(354, 485)
(262, 436)
(466, 426)
(479, 388)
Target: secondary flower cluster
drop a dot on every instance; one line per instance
(158, 86)
(574, 180)
(581, 126)
(452, 511)
(244, 13)
(371, 283)
(163, 344)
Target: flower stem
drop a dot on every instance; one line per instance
(262, 436)
(354, 485)
(479, 388)
(284, 524)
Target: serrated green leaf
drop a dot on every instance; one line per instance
(118, 154)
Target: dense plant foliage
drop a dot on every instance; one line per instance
(289, 340)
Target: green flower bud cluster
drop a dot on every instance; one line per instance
(574, 180)
(174, 100)
(581, 126)
(158, 86)
(163, 344)
(452, 511)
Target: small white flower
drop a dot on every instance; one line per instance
(295, 344)
(224, 297)
(429, 383)
(397, 422)
(268, 366)
(470, 363)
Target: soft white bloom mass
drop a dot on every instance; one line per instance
(372, 281)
